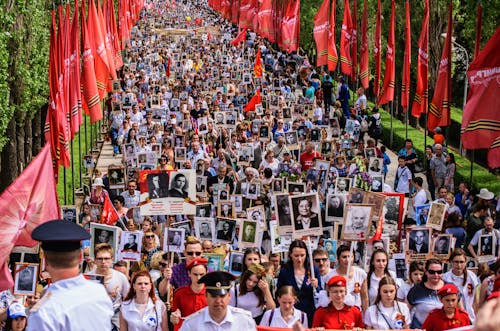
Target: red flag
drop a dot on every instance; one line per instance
(345, 41)
(243, 22)
(235, 10)
(91, 99)
(387, 92)
(439, 110)
(479, 26)
(75, 90)
(405, 87)
(377, 47)
(28, 202)
(256, 100)
(113, 35)
(257, 67)
(333, 57)
(421, 101)
(320, 32)
(167, 69)
(110, 52)
(481, 118)
(241, 37)
(109, 214)
(265, 20)
(354, 41)
(290, 27)
(364, 64)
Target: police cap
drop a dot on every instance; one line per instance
(60, 236)
(217, 282)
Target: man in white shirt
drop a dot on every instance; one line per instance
(132, 196)
(360, 103)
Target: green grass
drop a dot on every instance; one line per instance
(481, 176)
(77, 165)
(456, 115)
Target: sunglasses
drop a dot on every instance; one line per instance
(162, 264)
(320, 260)
(433, 272)
(149, 237)
(194, 253)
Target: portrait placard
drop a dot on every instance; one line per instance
(173, 240)
(248, 234)
(215, 262)
(356, 222)
(306, 215)
(335, 204)
(130, 246)
(419, 243)
(25, 278)
(104, 234)
(436, 216)
(204, 228)
(69, 213)
(225, 230)
(236, 263)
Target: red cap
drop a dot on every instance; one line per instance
(337, 281)
(447, 289)
(197, 261)
(493, 295)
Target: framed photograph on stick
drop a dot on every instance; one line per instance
(436, 216)
(25, 278)
(173, 240)
(306, 215)
(248, 236)
(392, 213)
(356, 222)
(236, 263)
(442, 246)
(419, 243)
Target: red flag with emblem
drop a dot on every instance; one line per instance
(243, 22)
(265, 20)
(354, 40)
(320, 32)
(439, 109)
(405, 86)
(387, 92)
(75, 85)
(345, 41)
(290, 27)
(421, 99)
(241, 37)
(481, 118)
(28, 202)
(364, 65)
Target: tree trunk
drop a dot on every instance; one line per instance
(21, 160)
(28, 140)
(38, 129)
(10, 171)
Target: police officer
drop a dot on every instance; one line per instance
(448, 317)
(218, 315)
(71, 302)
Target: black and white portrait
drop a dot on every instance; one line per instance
(69, 213)
(296, 188)
(442, 244)
(130, 246)
(356, 195)
(277, 185)
(376, 165)
(179, 186)
(25, 279)
(421, 214)
(219, 118)
(291, 139)
(180, 154)
(201, 184)
(486, 245)
(237, 199)
(248, 234)
(103, 234)
(377, 183)
(204, 228)
(342, 185)
(419, 240)
(306, 215)
(284, 211)
(335, 204)
(236, 263)
(174, 240)
(436, 215)
(157, 185)
(225, 230)
(203, 210)
(116, 176)
(257, 214)
(225, 209)
(357, 222)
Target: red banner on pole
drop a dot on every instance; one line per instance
(387, 91)
(320, 32)
(405, 86)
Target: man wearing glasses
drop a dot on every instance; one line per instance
(321, 261)
(115, 282)
(180, 276)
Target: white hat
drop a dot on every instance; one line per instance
(485, 194)
(16, 310)
(98, 182)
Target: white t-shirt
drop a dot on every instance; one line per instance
(247, 301)
(468, 290)
(353, 296)
(151, 320)
(379, 317)
(278, 321)
(373, 289)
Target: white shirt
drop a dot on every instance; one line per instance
(73, 304)
(354, 284)
(373, 289)
(236, 319)
(131, 200)
(278, 320)
(151, 320)
(374, 316)
(248, 301)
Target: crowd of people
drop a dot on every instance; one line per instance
(288, 193)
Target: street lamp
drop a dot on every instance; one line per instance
(461, 48)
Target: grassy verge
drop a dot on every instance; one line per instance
(75, 159)
(481, 176)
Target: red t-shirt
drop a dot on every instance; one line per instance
(437, 320)
(306, 159)
(188, 302)
(347, 318)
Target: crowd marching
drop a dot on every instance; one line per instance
(284, 215)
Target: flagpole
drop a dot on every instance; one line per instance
(392, 131)
(72, 172)
(80, 154)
